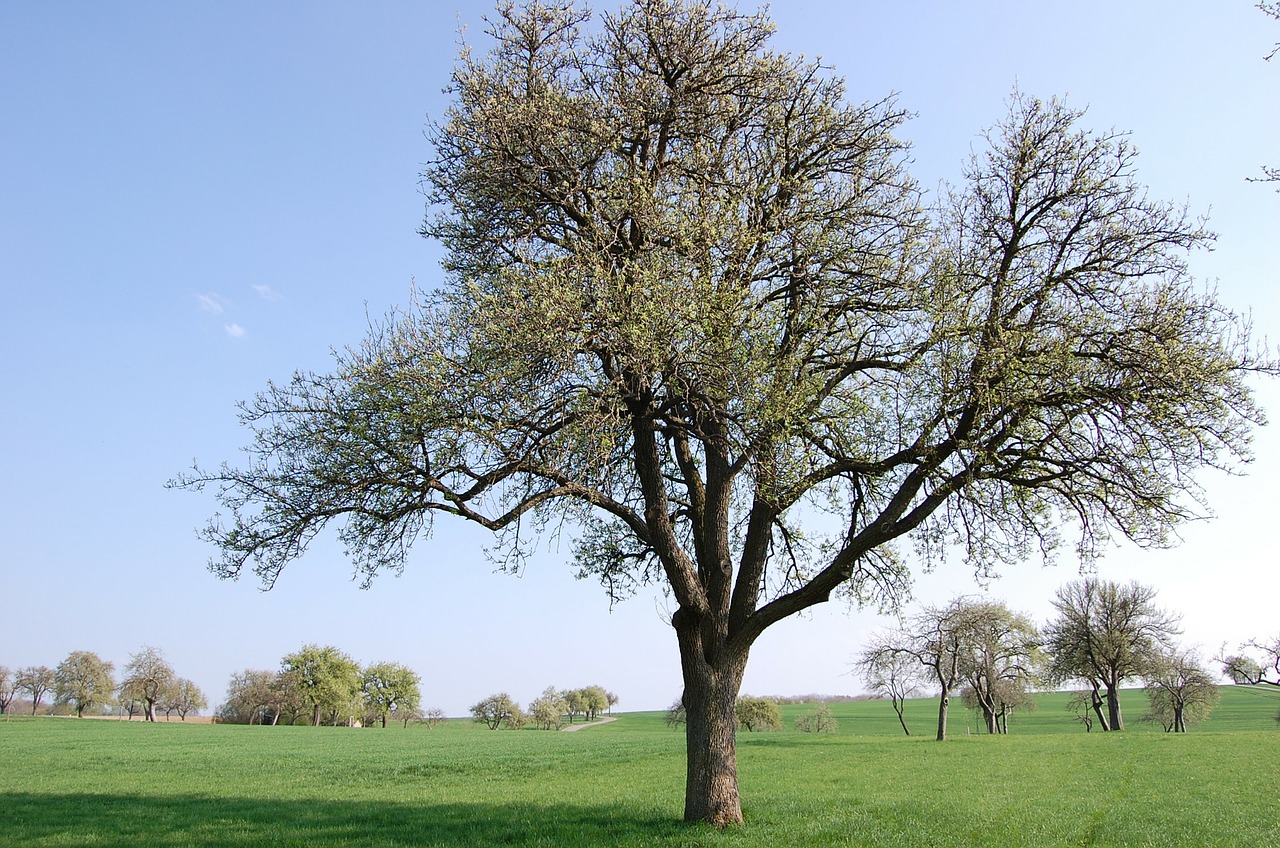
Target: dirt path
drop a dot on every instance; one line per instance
(575, 727)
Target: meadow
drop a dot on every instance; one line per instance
(68, 782)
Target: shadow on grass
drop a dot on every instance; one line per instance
(105, 819)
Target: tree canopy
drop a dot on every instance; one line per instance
(693, 298)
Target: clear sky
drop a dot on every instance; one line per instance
(198, 198)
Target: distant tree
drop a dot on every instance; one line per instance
(1002, 662)
(819, 721)
(128, 703)
(36, 681)
(1104, 634)
(497, 710)
(613, 700)
(8, 689)
(890, 668)
(757, 714)
(251, 698)
(149, 679)
(1083, 705)
(82, 680)
(327, 681)
(1180, 691)
(389, 686)
(1261, 666)
(548, 710)
(593, 700)
(434, 717)
(185, 697)
(938, 638)
(575, 703)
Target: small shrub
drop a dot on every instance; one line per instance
(819, 721)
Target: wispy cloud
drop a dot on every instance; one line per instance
(268, 293)
(211, 302)
(235, 331)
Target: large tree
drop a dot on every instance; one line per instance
(325, 679)
(82, 680)
(1002, 662)
(390, 687)
(149, 679)
(1180, 691)
(694, 298)
(1106, 633)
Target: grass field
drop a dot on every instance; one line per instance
(65, 782)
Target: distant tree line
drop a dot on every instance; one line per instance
(549, 711)
(319, 685)
(85, 683)
(1104, 635)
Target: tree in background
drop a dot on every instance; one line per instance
(892, 670)
(326, 680)
(36, 681)
(548, 710)
(82, 680)
(1106, 633)
(758, 714)
(1002, 662)
(1180, 691)
(498, 710)
(1245, 668)
(433, 717)
(185, 697)
(693, 296)
(251, 698)
(388, 687)
(8, 688)
(148, 679)
(820, 720)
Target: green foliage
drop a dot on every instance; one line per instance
(326, 680)
(498, 710)
(757, 714)
(83, 680)
(548, 711)
(389, 687)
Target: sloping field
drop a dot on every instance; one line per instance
(65, 782)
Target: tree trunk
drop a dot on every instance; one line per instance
(944, 700)
(899, 707)
(1115, 720)
(1098, 702)
(712, 679)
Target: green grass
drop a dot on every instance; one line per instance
(65, 782)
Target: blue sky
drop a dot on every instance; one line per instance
(198, 198)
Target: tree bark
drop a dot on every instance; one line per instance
(943, 702)
(1115, 720)
(712, 679)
